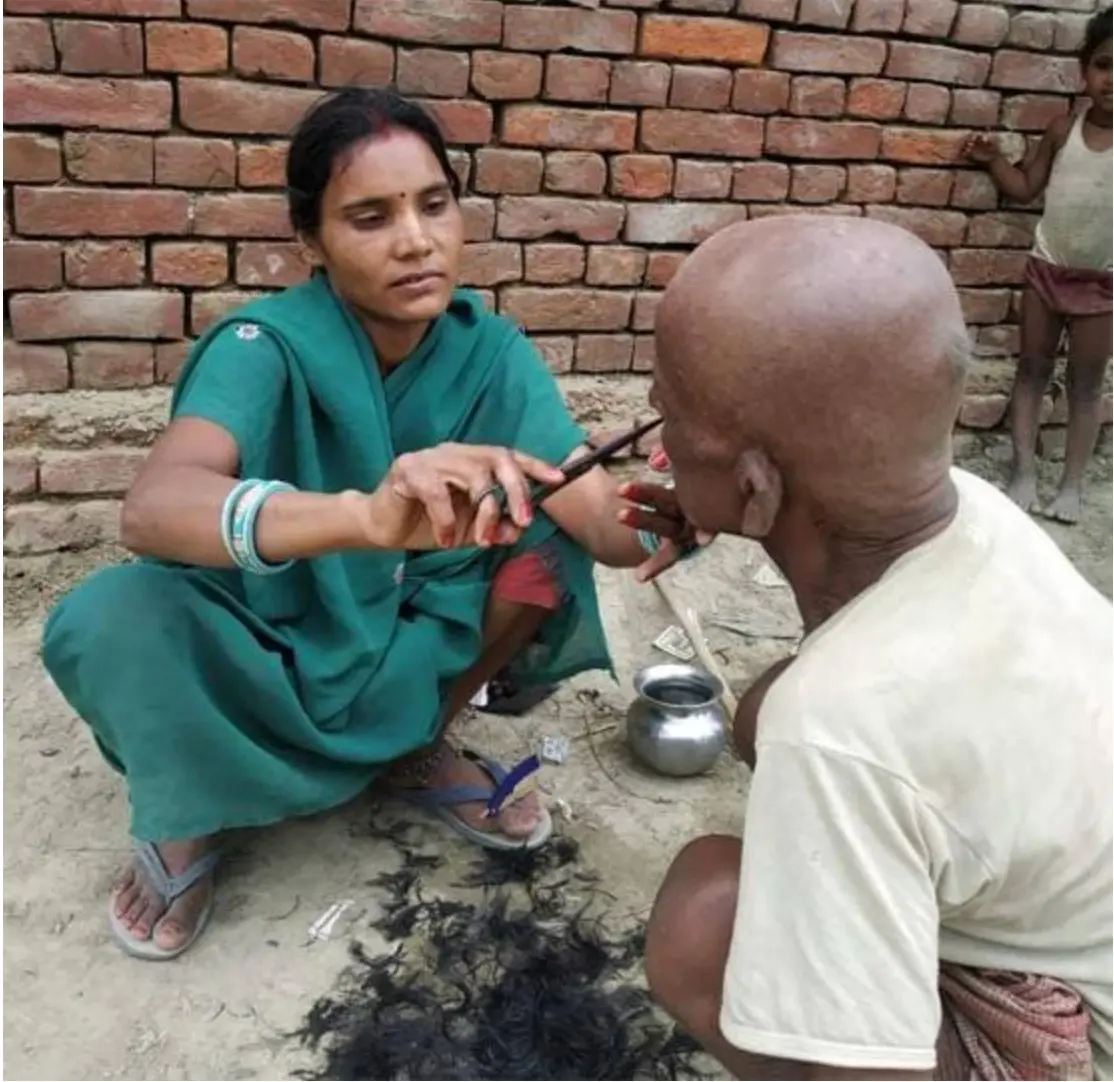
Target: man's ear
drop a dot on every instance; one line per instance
(760, 486)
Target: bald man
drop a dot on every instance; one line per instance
(927, 842)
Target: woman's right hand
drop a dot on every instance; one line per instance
(429, 498)
(981, 147)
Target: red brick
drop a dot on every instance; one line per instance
(1032, 112)
(817, 183)
(826, 210)
(1070, 32)
(1005, 341)
(761, 182)
(927, 104)
(575, 172)
(21, 473)
(28, 45)
(604, 353)
(702, 180)
(675, 131)
(189, 263)
(461, 163)
(91, 313)
(922, 146)
(48, 527)
(227, 106)
(784, 11)
(984, 305)
(661, 266)
(272, 54)
(1030, 71)
(102, 366)
(937, 63)
(987, 266)
(30, 369)
(82, 473)
(96, 158)
(1032, 30)
(506, 76)
(262, 165)
(583, 30)
(93, 264)
(817, 95)
(833, 14)
(940, 228)
(269, 264)
(924, 187)
(310, 14)
(577, 78)
(100, 48)
(974, 190)
(554, 264)
(822, 139)
(194, 48)
(567, 309)
(641, 176)
(241, 214)
(870, 183)
(207, 308)
(571, 129)
(614, 265)
(1008, 229)
(644, 353)
(531, 218)
(491, 263)
(479, 218)
(877, 16)
(351, 62)
(983, 410)
(121, 9)
(876, 99)
(438, 72)
(828, 53)
(169, 359)
(30, 158)
(679, 223)
(91, 212)
(712, 6)
(446, 22)
(929, 18)
(760, 92)
(32, 264)
(981, 24)
(65, 101)
(698, 87)
(461, 121)
(639, 82)
(556, 351)
(509, 172)
(975, 108)
(184, 162)
(689, 37)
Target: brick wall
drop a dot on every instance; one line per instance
(143, 163)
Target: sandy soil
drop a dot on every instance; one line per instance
(77, 1008)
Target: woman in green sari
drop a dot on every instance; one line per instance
(323, 584)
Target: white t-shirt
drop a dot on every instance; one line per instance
(933, 782)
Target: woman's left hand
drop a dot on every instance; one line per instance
(655, 509)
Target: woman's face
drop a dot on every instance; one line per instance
(391, 231)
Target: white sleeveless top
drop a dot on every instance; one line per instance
(1075, 230)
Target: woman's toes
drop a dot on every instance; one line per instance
(181, 918)
(521, 819)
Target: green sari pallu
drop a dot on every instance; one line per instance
(233, 700)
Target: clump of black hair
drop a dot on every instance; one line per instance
(501, 987)
(1098, 30)
(334, 125)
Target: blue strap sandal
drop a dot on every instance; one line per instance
(168, 887)
(440, 802)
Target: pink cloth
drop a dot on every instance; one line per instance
(1011, 1026)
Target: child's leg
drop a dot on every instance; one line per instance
(1088, 353)
(1040, 334)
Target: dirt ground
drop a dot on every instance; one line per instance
(77, 1008)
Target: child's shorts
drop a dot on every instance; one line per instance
(1070, 291)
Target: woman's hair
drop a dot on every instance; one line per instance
(334, 126)
(1098, 31)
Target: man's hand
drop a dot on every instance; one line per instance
(655, 509)
(981, 147)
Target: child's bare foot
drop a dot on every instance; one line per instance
(142, 910)
(1066, 507)
(1022, 490)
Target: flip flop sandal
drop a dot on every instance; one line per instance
(440, 802)
(168, 887)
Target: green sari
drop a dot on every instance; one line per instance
(233, 700)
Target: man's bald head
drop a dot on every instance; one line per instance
(834, 347)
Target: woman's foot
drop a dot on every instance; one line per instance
(1066, 507)
(1022, 490)
(143, 912)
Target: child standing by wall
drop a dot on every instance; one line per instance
(1068, 276)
